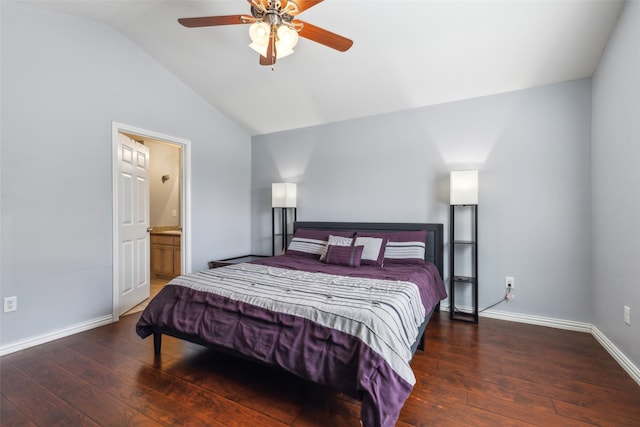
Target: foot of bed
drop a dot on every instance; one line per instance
(157, 342)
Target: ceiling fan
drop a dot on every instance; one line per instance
(274, 31)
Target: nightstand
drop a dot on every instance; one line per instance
(235, 260)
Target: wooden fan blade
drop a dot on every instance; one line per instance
(304, 5)
(270, 59)
(324, 37)
(210, 21)
(266, 61)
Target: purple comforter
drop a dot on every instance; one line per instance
(308, 349)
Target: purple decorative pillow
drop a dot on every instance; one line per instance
(350, 256)
(312, 243)
(374, 247)
(336, 241)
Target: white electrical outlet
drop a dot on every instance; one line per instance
(627, 315)
(10, 304)
(509, 282)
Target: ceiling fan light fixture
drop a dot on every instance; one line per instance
(286, 39)
(287, 36)
(259, 33)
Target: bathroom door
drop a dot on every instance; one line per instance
(133, 223)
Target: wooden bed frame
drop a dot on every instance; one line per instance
(433, 253)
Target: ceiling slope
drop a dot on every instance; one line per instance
(406, 54)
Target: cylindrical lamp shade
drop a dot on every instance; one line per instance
(464, 188)
(283, 195)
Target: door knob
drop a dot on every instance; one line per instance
(149, 229)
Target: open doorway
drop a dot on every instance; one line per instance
(165, 249)
(165, 222)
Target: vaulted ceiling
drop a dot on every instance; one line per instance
(406, 54)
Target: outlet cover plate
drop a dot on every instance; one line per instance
(10, 304)
(510, 282)
(627, 315)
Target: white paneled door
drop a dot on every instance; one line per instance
(133, 223)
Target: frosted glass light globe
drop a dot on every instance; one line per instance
(287, 37)
(259, 33)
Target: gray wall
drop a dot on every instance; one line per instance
(531, 148)
(616, 185)
(64, 80)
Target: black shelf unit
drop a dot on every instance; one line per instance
(457, 280)
(284, 226)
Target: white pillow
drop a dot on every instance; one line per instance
(372, 248)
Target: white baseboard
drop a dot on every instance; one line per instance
(619, 356)
(61, 333)
(530, 319)
(549, 322)
(570, 325)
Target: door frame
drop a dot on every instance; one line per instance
(185, 201)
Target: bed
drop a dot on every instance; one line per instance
(346, 306)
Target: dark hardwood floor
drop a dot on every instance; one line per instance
(496, 373)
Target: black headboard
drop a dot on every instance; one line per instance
(434, 243)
